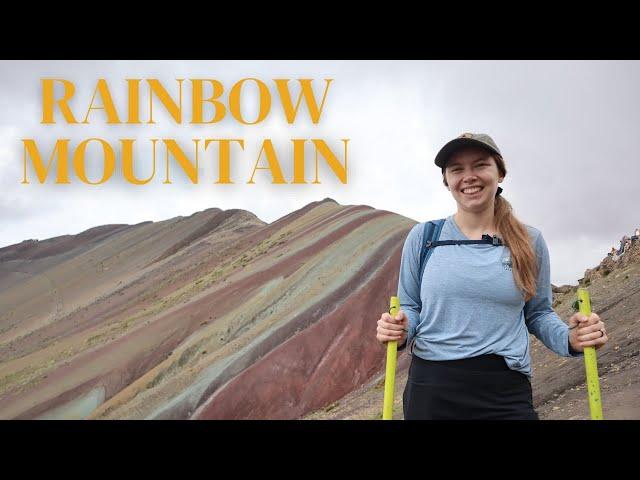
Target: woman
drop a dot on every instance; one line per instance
(467, 320)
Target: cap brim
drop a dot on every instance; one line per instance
(456, 144)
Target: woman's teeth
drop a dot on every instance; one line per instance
(471, 191)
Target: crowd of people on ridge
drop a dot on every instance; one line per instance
(625, 244)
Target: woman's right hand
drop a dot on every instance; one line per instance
(390, 328)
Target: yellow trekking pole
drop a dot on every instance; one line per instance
(590, 361)
(390, 375)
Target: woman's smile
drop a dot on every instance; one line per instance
(471, 191)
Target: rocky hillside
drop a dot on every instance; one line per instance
(216, 315)
(220, 315)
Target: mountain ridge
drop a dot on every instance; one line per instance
(221, 315)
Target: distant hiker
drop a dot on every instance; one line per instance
(613, 251)
(623, 240)
(636, 235)
(467, 318)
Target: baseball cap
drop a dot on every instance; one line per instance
(465, 140)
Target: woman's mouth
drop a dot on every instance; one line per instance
(471, 191)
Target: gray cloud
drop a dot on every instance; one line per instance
(567, 131)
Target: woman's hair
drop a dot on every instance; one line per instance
(516, 238)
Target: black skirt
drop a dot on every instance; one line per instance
(478, 388)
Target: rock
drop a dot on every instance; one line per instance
(562, 289)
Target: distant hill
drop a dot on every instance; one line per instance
(220, 315)
(216, 315)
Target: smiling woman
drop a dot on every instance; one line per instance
(187, 163)
(468, 311)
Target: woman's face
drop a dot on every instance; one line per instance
(472, 176)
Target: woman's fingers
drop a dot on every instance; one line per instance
(390, 328)
(390, 332)
(595, 339)
(398, 317)
(387, 338)
(590, 336)
(387, 331)
(389, 325)
(582, 320)
(592, 320)
(592, 333)
(599, 325)
(598, 342)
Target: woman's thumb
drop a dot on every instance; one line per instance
(575, 319)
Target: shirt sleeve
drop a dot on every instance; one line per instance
(409, 281)
(540, 318)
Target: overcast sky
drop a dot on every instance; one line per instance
(568, 132)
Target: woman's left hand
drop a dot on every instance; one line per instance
(588, 332)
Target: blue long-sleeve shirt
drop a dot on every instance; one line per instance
(471, 305)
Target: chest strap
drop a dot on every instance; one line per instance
(486, 240)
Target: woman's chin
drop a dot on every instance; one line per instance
(474, 204)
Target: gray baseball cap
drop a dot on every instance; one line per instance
(465, 140)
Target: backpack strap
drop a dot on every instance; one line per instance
(430, 234)
(486, 240)
(430, 237)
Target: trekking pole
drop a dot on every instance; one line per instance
(390, 375)
(590, 361)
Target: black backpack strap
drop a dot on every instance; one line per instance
(430, 235)
(486, 240)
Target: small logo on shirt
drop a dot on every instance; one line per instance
(506, 263)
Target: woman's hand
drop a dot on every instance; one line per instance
(390, 328)
(586, 332)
